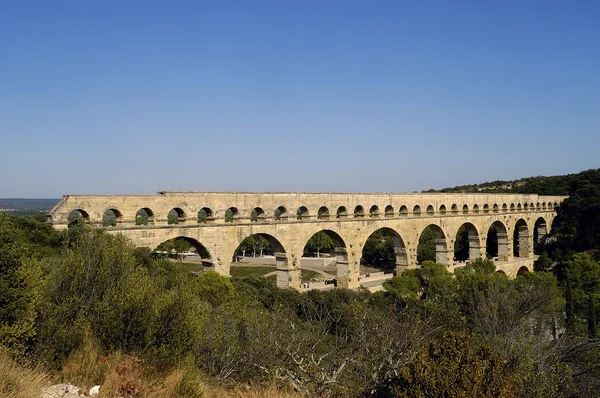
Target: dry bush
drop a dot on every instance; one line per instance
(86, 366)
(19, 381)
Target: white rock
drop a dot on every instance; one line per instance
(62, 391)
(94, 391)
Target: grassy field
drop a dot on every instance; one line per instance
(306, 275)
(244, 272)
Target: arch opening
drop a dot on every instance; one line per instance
(189, 252)
(486, 208)
(302, 213)
(433, 246)
(323, 213)
(359, 212)
(263, 255)
(454, 209)
(495, 209)
(281, 213)
(144, 216)
(257, 215)
(111, 217)
(466, 243)
(465, 209)
(430, 210)
(232, 214)
(475, 208)
(442, 209)
(521, 239)
(374, 211)
(77, 216)
(496, 246)
(205, 215)
(523, 270)
(329, 263)
(403, 211)
(176, 216)
(540, 234)
(384, 249)
(389, 211)
(416, 210)
(342, 212)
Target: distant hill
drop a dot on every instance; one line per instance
(22, 206)
(553, 185)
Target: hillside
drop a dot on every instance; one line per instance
(541, 185)
(20, 206)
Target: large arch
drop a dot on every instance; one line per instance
(540, 233)
(521, 238)
(186, 249)
(341, 256)
(77, 216)
(388, 246)
(467, 244)
(270, 246)
(497, 242)
(438, 241)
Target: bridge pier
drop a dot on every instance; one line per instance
(288, 274)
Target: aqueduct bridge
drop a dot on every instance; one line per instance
(217, 222)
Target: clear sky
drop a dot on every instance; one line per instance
(375, 96)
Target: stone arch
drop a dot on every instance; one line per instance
(77, 216)
(532, 206)
(522, 270)
(465, 209)
(302, 213)
(486, 208)
(165, 249)
(389, 211)
(501, 272)
(467, 244)
(359, 212)
(495, 208)
(538, 206)
(341, 256)
(521, 239)
(504, 208)
(205, 215)
(475, 208)
(342, 212)
(540, 233)
(111, 217)
(323, 213)
(430, 211)
(232, 214)
(441, 246)
(443, 209)
(512, 207)
(526, 206)
(394, 243)
(176, 216)
(403, 211)
(497, 242)
(543, 205)
(281, 213)
(416, 210)
(519, 207)
(285, 278)
(454, 209)
(257, 215)
(144, 216)
(374, 211)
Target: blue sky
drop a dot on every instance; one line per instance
(374, 96)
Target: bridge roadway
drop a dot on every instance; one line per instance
(217, 222)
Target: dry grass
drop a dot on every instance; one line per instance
(86, 366)
(19, 381)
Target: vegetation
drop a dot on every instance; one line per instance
(95, 310)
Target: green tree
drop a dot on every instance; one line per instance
(379, 250)
(319, 242)
(426, 247)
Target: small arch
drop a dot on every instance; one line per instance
(454, 209)
(538, 206)
(512, 207)
(486, 208)
(205, 215)
(342, 212)
(523, 270)
(532, 206)
(111, 217)
(176, 216)
(519, 207)
(374, 211)
(443, 209)
(416, 210)
(540, 234)
(475, 208)
(465, 209)
(280, 213)
(504, 207)
(543, 205)
(430, 211)
(526, 206)
(302, 213)
(403, 211)
(359, 211)
(77, 216)
(555, 205)
(495, 208)
(232, 214)
(144, 216)
(389, 211)
(257, 215)
(323, 213)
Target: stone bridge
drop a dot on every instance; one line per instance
(217, 222)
